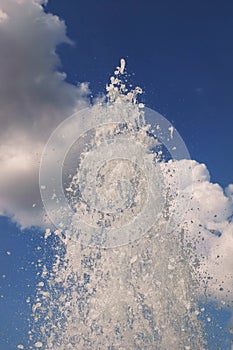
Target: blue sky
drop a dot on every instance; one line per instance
(181, 54)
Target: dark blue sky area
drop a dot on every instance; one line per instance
(181, 53)
(19, 254)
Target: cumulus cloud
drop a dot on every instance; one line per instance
(208, 226)
(34, 99)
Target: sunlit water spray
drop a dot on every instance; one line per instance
(121, 275)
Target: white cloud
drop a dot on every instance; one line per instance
(34, 99)
(208, 226)
(229, 191)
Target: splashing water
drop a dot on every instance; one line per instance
(119, 276)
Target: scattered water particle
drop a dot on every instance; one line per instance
(40, 284)
(171, 267)
(47, 233)
(35, 307)
(134, 258)
(171, 129)
(68, 189)
(38, 344)
(122, 67)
